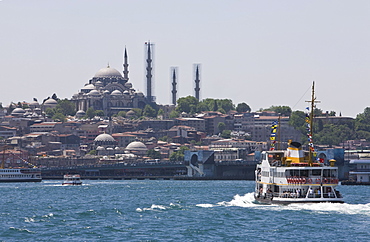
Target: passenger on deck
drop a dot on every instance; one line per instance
(310, 192)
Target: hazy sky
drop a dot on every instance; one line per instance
(260, 52)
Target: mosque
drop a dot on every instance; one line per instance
(109, 91)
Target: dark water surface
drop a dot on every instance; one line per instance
(156, 210)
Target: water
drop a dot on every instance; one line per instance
(149, 210)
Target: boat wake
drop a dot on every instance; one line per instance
(155, 207)
(248, 201)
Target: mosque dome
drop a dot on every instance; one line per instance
(18, 111)
(130, 113)
(126, 93)
(136, 146)
(116, 92)
(108, 72)
(139, 93)
(100, 148)
(34, 104)
(88, 87)
(104, 138)
(80, 113)
(94, 93)
(128, 84)
(51, 101)
(99, 84)
(106, 92)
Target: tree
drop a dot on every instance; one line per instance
(122, 113)
(50, 112)
(179, 155)
(160, 112)
(226, 104)
(153, 154)
(138, 112)
(282, 110)
(187, 104)
(362, 124)
(90, 112)
(149, 111)
(59, 117)
(174, 114)
(65, 107)
(221, 126)
(92, 152)
(100, 113)
(242, 108)
(226, 134)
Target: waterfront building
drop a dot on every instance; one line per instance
(361, 171)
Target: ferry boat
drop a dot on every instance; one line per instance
(72, 180)
(20, 175)
(294, 176)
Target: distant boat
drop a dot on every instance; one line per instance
(20, 175)
(72, 180)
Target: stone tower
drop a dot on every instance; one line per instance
(174, 86)
(149, 73)
(125, 66)
(197, 81)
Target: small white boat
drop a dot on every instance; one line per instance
(72, 180)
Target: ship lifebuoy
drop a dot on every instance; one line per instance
(309, 181)
(325, 181)
(317, 181)
(304, 180)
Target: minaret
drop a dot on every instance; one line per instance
(197, 88)
(125, 65)
(149, 74)
(174, 86)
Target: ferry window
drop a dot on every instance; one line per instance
(316, 172)
(326, 173)
(304, 173)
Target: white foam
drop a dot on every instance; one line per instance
(248, 201)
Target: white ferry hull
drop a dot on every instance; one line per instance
(286, 201)
(20, 175)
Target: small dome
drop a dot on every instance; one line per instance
(104, 138)
(136, 145)
(34, 104)
(106, 92)
(130, 113)
(18, 111)
(128, 84)
(116, 92)
(80, 113)
(108, 73)
(51, 101)
(99, 84)
(94, 93)
(88, 87)
(100, 148)
(139, 93)
(126, 93)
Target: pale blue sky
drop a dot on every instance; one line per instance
(260, 52)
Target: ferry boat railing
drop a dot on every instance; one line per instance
(312, 180)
